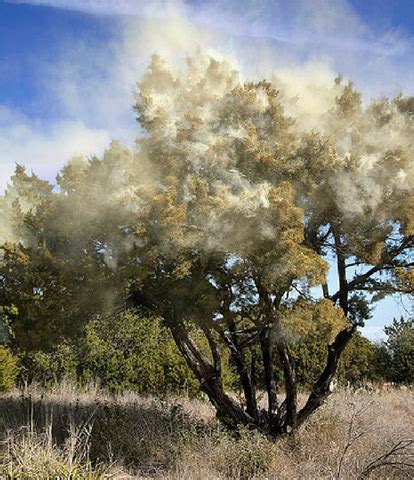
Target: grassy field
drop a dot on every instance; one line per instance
(68, 434)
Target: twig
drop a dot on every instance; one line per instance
(352, 437)
(390, 458)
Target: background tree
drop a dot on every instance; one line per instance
(361, 362)
(57, 264)
(400, 345)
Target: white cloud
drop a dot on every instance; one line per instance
(110, 7)
(44, 148)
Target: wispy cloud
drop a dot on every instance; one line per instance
(297, 21)
(111, 7)
(41, 147)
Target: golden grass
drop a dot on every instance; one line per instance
(68, 434)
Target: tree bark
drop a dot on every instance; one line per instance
(285, 419)
(245, 374)
(341, 265)
(288, 414)
(268, 364)
(227, 409)
(321, 389)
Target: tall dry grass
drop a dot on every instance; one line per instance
(68, 434)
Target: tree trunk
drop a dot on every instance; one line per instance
(269, 374)
(227, 409)
(321, 389)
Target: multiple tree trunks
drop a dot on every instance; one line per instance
(279, 417)
(268, 339)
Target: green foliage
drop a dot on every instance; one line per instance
(309, 329)
(358, 361)
(134, 351)
(400, 344)
(126, 351)
(48, 267)
(131, 350)
(8, 370)
(49, 368)
(381, 367)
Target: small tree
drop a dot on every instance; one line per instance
(400, 344)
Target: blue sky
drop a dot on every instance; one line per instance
(68, 67)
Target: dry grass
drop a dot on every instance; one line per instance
(68, 434)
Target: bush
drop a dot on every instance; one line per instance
(128, 351)
(134, 351)
(51, 368)
(8, 370)
(358, 362)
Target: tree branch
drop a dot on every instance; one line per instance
(388, 257)
(321, 389)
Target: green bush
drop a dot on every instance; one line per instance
(134, 351)
(128, 351)
(8, 370)
(49, 368)
(358, 362)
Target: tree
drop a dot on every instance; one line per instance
(224, 220)
(56, 266)
(360, 362)
(400, 345)
(247, 209)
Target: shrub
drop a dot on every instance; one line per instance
(8, 370)
(134, 351)
(128, 351)
(49, 368)
(358, 362)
